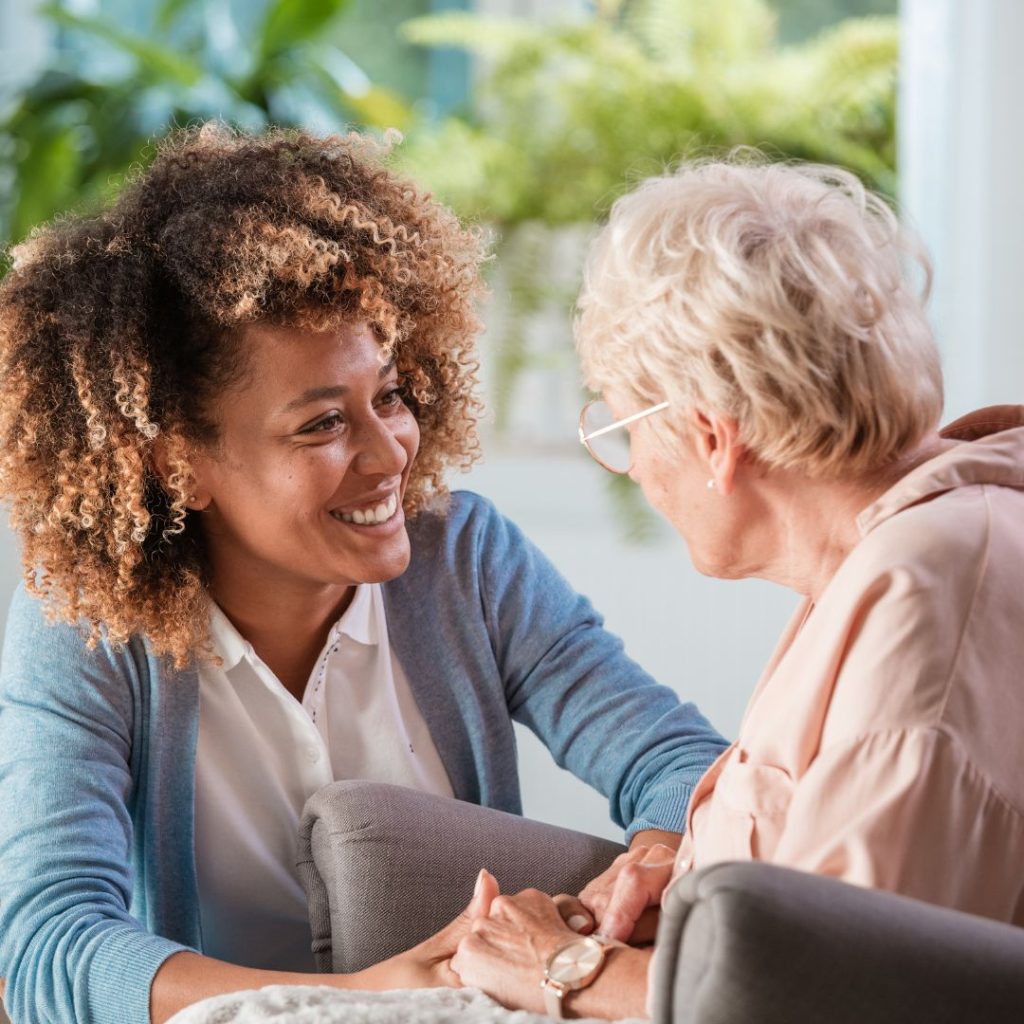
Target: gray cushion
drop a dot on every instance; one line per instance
(385, 867)
(757, 944)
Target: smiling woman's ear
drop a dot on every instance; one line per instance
(718, 443)
(175, 473)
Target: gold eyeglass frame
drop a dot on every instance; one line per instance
(585, 439)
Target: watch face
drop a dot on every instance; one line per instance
(577, 961)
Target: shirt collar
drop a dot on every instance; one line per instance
(992, 453)
(361, 621)
(228, 643)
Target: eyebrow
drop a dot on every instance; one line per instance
(330, 390)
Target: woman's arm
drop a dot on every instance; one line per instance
(70, 949)
(186, 977)
(570, 681)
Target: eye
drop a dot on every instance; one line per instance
(330, 422)
(392, 398)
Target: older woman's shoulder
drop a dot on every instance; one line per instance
(929, 608)
(948, 530)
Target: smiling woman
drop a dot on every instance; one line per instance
(155, 304)
(227, 406)
(327, 466)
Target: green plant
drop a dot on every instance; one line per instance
(70, 136)
(570, 114)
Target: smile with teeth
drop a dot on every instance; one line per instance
(372, 516)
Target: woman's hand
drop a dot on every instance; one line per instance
(506, 953)
(624, 899)
(428, 965)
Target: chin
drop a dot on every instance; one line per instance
(381, 570)
(713, 568)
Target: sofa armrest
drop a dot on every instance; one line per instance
(385, 867)
(759, 944)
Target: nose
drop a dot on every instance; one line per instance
(381, 451)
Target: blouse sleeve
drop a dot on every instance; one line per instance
(906, 811)
(70, 950)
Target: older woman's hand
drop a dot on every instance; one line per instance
(623, 900)
(505, 954)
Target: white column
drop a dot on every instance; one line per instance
(962, 180)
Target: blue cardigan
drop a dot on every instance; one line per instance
(97, 754)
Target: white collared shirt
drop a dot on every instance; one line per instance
(262, 754)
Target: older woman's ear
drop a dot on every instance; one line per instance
(717, 440)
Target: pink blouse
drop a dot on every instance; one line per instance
(884, 744)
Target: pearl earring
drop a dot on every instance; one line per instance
(711, 485)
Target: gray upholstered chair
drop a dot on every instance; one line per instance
(737, 944)
(759, 944)
(385, 867)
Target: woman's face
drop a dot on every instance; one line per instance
(304, 486)
(673, 473)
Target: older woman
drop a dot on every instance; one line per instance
(773, 386)
(227, 404)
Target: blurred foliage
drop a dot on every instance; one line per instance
(799, 19)
(69, 137)
(570, 114)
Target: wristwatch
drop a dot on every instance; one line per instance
(572, 967)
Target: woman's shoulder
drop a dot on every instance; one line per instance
(458, 511)
(466, 525)
(928, 611)
(933, 551)
(468, 550)
(43, 654)
(31, 631)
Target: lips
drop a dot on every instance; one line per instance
(374, 514)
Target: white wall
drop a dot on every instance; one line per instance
(961, 161)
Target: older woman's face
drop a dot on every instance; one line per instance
(673, 476)
(305, 484)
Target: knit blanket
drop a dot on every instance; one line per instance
(306, 1004)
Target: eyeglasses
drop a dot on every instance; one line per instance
(601, 435)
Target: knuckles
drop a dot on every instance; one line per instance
(502, 905)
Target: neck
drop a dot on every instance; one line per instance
(286, 623)
(807, 527)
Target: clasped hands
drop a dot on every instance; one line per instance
(501, 943)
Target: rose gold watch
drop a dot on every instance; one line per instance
(572, 967)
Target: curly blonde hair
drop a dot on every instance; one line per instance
(121, 327)
(781, 295)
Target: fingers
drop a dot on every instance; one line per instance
(638, 886)
(469, 964)
(484, 893)
(597, 892)
(529, 908)
(575, 914)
